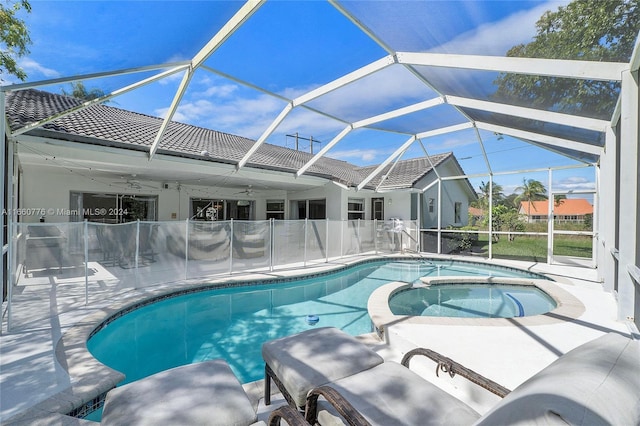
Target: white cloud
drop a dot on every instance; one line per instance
(172, 79)
(574, 183)
(365, 155)
(497, 38)
(391, 87)
(30, 66)
(217, 104)
(451, 142)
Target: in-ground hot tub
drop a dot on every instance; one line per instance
(472, 301)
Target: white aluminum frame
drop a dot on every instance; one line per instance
(620, 158)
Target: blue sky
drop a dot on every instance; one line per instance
(289, 48)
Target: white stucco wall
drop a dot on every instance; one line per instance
(452, 191)
(48, 187)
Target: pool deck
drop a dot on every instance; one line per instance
(34, 384)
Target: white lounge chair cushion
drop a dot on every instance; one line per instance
(390, 394)
(207, 393)
(597, 383)
(316, 357)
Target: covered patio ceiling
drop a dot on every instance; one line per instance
(442, 89)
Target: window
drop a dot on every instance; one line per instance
(377, 208)
(432, 203)
(213, 210)
(275, 209)
(205, 209)
(317, 209)
(240, 209)
(308, 209)
(457, 208)
(355, 209)
(113, 208)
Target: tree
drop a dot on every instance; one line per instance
(505, 218)
(510, 201)
(559, 199)
(592, 30)
(483, 198)
(78, 90)
(531, 190)
(14, 38)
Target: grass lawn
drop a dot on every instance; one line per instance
(535, 247)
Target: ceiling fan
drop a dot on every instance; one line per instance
(133, 183)
(249, 192)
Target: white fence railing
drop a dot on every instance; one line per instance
(88, 257)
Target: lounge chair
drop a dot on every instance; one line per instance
(597, 383)
(301, 362)
(206, 393)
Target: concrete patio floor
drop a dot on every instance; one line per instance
(30, 374)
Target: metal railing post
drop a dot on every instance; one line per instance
(341, 237)
(375, 236)
(186, 249)
(326, 244)
(135, 262)
(304, 259)
(11, 273)
(439, 216)
(271, 243)
(231, 248)
(86, 262)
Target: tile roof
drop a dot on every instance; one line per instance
(567, 207)
(405, 173)
(106, 125)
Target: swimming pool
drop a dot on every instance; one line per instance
(232, 323)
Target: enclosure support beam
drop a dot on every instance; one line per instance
(236, 21)
(11, 229)
(3, 178)
(283, 114)
(386, 162)
(550, 219)
(309, 96)
(384, 177)
(530, 113)
(491, 216)
(369, 121)
(324, 150)
(98, 100)
(344, 80)
(629, 214)
(550, 140)
(607, 219)
(586, 70)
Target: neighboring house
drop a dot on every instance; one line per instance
(93, 164)
(476, 215)
(565, 210)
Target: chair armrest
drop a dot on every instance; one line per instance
(341, 405)
(289, 415)
(447, 365)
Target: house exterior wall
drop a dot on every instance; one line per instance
(49, 188)
(452, 191)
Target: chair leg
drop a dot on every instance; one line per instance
(267, 386)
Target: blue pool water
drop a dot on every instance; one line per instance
(232, 323)
(472, 301)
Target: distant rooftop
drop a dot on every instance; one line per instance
(564, 207)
